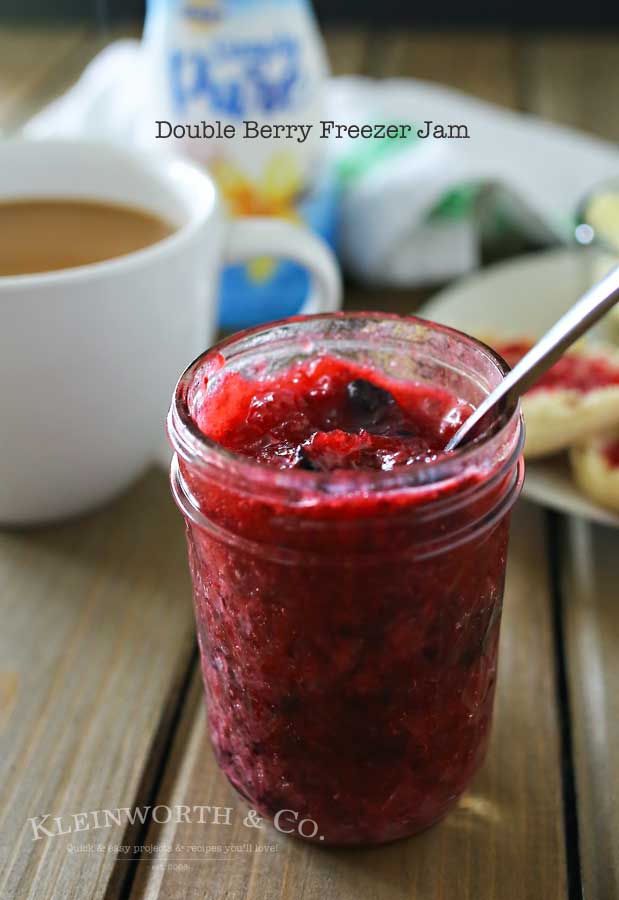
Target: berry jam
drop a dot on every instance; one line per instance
(574, 371)
(611, 454)
(328, 413)
(347, 599)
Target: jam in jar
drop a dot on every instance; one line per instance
(347, 572)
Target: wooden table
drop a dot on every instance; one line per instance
(100, 696)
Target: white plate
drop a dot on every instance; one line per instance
(522, 298)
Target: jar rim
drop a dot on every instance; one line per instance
(197, 449)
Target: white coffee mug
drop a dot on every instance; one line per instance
(89, 356)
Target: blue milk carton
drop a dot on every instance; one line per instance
(236, 85)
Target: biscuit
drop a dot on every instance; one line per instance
(595, 468)
(571, 401)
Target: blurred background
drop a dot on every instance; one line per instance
(558, 61)
(526, 14)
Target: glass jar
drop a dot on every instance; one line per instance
(348, 621)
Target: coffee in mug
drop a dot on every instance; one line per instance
(42, 235)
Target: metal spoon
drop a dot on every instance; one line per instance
(585, 313)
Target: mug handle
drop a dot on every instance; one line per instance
(255, 236)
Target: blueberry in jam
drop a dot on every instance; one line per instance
(304, 461)
(369, 403)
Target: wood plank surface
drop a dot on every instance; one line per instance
(590, 566)
(574, 80)
(347, 49)
(30, 60)
(482, 64)
(504, 840)
(96, 639)
(61, 55)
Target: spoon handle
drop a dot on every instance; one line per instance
(578, 319)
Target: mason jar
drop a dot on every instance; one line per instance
(348, 621)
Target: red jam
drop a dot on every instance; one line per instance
(574, 371)
(328, 413)
(611, 454)
(348, 632)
